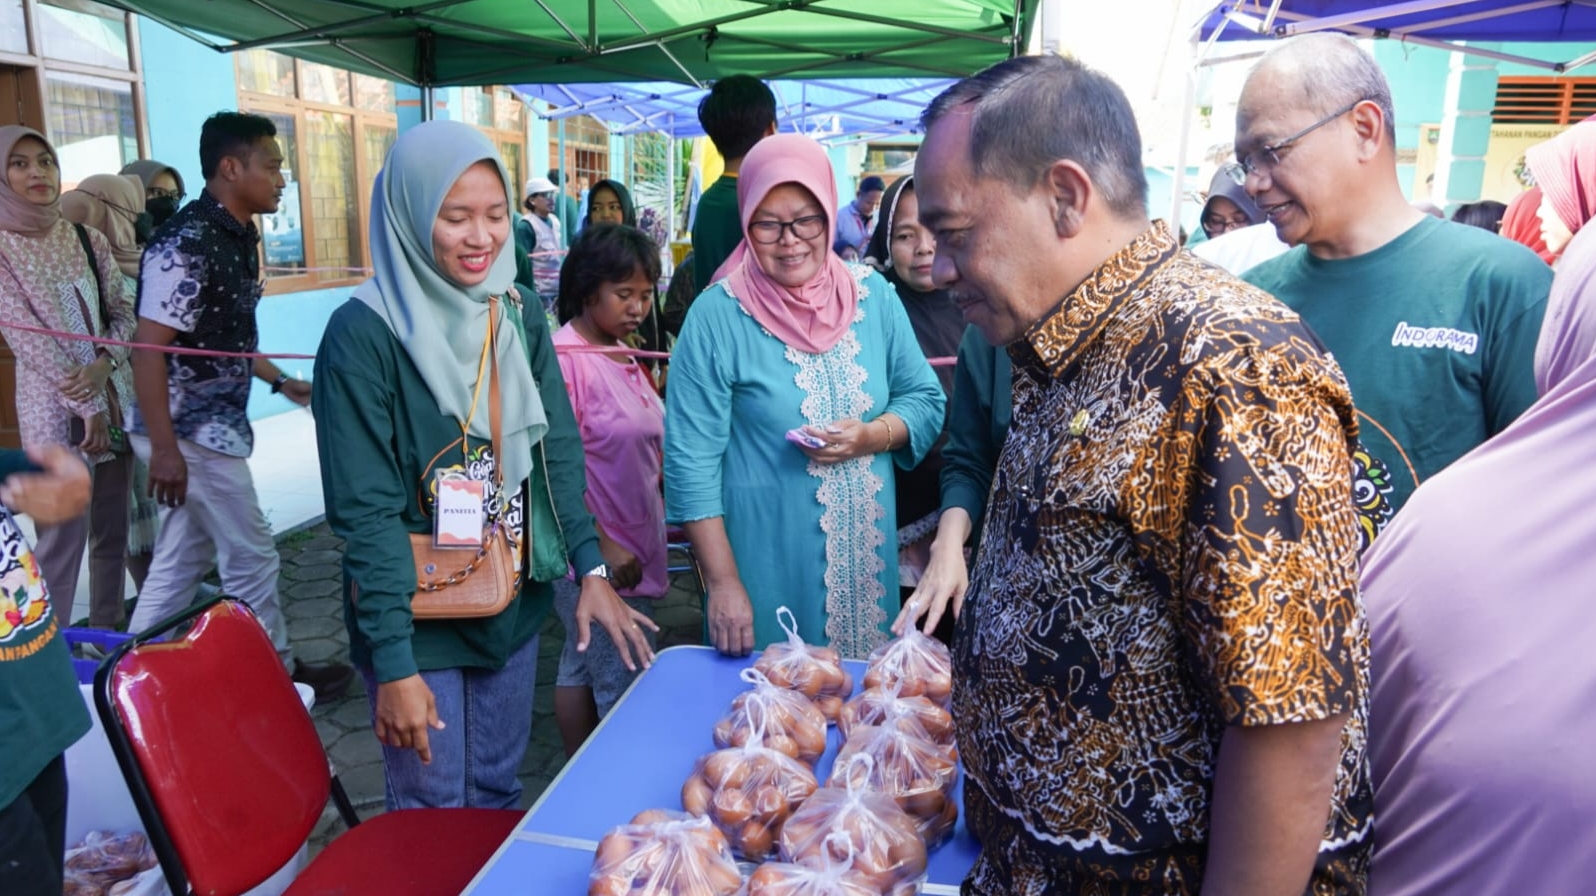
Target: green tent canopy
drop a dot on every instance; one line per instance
(436, 43)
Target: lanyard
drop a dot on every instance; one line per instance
(476, 391)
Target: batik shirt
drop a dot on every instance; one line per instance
(200, 275)
(1171, 548)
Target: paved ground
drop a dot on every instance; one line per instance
(310, 587)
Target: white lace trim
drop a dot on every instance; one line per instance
(849, 493)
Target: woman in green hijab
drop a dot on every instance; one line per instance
(402, 403)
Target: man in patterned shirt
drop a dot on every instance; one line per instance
(199, 282)
(1161, 663)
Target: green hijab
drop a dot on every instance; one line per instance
(440, 323)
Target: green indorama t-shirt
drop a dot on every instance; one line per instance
(1435, 331)
(717, 229)
(41, 711)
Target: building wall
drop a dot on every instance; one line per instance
(1418, 78)
(187, 82)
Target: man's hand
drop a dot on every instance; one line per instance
(58, 494)
(168, 476)
(600, 603)
(406, 711)
(297, 391)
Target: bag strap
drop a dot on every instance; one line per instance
(94, 268)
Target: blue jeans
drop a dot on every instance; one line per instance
(487, 719)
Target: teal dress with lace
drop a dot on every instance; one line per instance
(818, 538)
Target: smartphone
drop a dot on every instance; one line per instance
(805, 439)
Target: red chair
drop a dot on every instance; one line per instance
(230, 777)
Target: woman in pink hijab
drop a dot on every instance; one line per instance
(1479, 600)
(1565, 170)
(795, 386)
(67, 391)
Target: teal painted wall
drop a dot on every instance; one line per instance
(184, 84)
(291, 324)
(1418, 77)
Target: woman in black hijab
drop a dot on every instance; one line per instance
(902, 250)
(609, 202)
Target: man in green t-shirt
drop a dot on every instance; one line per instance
(738, 112)
(1434, 323)
(41, 713)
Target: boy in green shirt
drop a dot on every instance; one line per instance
(738, 112)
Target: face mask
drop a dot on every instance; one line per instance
(160, 208)
(143, 226)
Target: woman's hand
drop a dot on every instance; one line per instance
(945, 580)
(845, 440)
(405, 712)
(600, 603)
(96, 435)
(86, 381)
(625, 569)
(731, 619)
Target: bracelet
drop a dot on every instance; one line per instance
(277, 384)
(884, 422)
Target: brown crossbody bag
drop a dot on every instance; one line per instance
(489, 580)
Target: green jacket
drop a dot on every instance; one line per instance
(978, 425)
(378, 434)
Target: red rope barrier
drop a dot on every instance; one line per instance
(212, 353)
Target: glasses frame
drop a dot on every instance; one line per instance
(1224, 225)
(782, 227)
(162, 193)
(1250, 163)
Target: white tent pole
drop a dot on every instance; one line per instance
(670, 187)
(1188, 103)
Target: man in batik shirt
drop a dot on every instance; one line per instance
(1161, 663)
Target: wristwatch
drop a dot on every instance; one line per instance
(602, 571)
(277, 384)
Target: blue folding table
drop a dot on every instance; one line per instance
(638, 759)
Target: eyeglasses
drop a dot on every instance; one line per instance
(1216, 225)
(806, 228)
(163, 193)
(1264, 159)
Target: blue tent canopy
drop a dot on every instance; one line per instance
(1433, 23)
(852, 109)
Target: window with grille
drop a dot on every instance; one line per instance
(1537, 100)
(335, 128)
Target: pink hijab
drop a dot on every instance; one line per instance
(1565, 170)
(813, 317)
(1521, 223)
(1481, 628)
(17, 214)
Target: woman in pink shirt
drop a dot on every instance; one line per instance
(606, 291)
